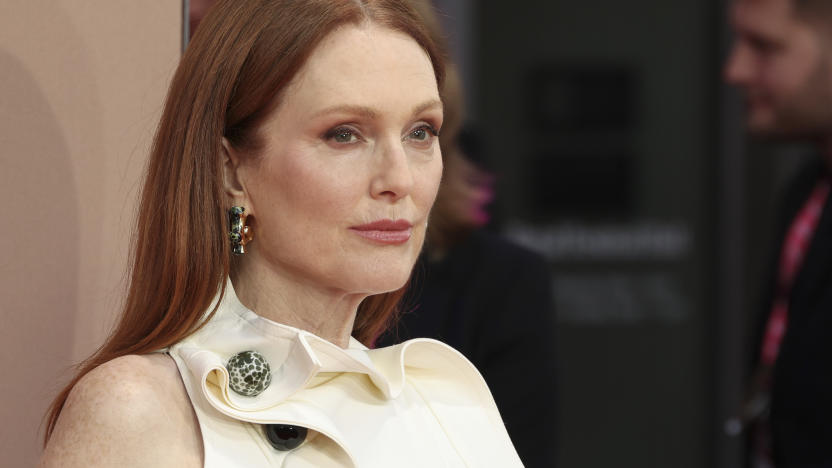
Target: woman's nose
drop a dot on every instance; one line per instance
(393, 174)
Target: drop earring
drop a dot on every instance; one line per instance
(239, 233)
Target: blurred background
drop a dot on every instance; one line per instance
(618, 155)
(621, 157)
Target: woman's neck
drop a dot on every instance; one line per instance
(281, 298)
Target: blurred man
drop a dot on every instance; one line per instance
(782, 61)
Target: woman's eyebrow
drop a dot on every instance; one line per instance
(370, 113)
(362, 111)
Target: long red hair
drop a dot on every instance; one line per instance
(242, 56)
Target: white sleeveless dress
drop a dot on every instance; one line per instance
(417, 404)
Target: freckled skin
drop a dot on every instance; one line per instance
(131, 411)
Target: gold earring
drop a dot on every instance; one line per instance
(239, 233)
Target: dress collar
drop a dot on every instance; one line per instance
(295, 356)
(320, 386)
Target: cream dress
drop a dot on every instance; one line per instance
(416, 404)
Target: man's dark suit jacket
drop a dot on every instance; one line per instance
(801, 393)
(492, 301)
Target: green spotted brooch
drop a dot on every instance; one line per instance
(249, 373)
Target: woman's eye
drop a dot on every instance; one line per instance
(342, 135)
(419, 134)
(423, 133)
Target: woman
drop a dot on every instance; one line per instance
(311, 126)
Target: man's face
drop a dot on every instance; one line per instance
(780, 61)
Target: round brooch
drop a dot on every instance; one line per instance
(249, 373)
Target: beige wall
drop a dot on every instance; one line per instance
(81, 88)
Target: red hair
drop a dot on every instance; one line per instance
(242, 56)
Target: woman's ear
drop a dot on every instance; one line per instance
(231, 175)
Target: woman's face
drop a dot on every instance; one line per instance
(341, 192)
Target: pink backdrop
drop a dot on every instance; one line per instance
(81, 89)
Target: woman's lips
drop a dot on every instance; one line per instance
(385, 231)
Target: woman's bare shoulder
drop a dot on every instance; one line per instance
(131, 411)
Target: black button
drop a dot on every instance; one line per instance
(285, 437)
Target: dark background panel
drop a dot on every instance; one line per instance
(599, 117)
(621, 157)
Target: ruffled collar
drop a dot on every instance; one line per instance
(307, 389)
(295, 356)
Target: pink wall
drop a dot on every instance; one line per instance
(81, 89)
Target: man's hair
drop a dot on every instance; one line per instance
(814, 9)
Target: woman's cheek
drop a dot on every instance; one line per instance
(434, 180)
